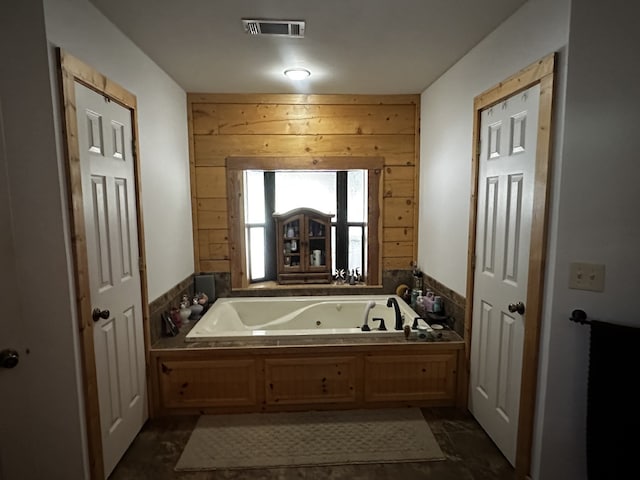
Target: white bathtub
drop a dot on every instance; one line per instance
(240, 318)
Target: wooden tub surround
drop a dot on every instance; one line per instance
(277, 375)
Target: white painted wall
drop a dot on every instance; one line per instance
(538, 28)
(41, 418)
(598, 215)
(80, 29)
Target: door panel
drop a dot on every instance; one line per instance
(123, 222)
(505, 202)
(106, 158)
(512, 233)
(102, 248)
(490, 226)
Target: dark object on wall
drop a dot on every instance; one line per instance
(206, 284)
(613, 417)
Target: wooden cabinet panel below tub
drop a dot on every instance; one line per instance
(250, 379)
(391, 378)
(290, 381)
(207, 383)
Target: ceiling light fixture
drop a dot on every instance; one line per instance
(297, 73)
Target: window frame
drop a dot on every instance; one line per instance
(341, 224)
(235, 167)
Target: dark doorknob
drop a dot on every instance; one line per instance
(9, 358)
(97, 314)
(516, 308)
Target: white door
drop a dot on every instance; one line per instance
(108, 190)
(505, 201)
(13, 381)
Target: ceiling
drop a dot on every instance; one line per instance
(350, 46)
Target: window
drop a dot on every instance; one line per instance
(240, 257)
(305, 188)
(342, 193)
(255, 224)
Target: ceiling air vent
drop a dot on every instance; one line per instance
(281, 28)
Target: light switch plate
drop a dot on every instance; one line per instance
(586, 276)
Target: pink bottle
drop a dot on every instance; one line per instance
(428, 301)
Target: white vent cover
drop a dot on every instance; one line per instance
(281, 28)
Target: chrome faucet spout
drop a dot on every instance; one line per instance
(365, 324)
(392, 302)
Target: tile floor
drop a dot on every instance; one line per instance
(470, 455)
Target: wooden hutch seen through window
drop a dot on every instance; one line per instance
(303, 246)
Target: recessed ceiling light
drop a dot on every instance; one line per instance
(297, 73)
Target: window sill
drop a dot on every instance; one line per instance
(274, 289)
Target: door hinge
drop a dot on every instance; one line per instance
(140, 264)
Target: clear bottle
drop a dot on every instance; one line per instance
(414, 297)
(420, 305)
(437, 304)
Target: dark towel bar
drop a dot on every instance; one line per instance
(579, 316)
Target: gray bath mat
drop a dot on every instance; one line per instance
(265, 440)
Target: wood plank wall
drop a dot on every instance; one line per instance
(292, 125)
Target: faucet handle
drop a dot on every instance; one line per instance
(382, 325)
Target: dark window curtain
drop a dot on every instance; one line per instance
(342, 238)
(270, 233)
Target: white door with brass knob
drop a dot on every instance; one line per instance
(505, 203)
(108, 183)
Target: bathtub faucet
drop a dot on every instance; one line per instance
(365, 324)
(399, 320)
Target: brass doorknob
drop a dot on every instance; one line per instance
(97, 314)
(516, 308)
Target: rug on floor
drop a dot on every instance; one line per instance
(267, 440)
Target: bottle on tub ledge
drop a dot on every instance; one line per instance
(438, 305)
(417, 276)
(425, 303)
(415, 294)
(421, 306)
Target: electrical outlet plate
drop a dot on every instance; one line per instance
(586, 276)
